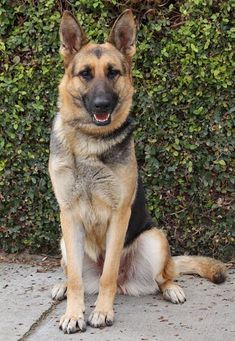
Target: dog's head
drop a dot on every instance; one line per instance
(96, 90)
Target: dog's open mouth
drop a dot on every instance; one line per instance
(102, 119)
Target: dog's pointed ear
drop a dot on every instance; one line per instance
(72, 37)
(123, 34)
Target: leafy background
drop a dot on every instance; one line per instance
(183, 107)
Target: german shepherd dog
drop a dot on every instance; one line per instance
(110, 243)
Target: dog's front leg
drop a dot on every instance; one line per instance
(103, 314)
(73, 234)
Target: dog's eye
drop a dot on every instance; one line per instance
(112, 73)
(86, 74)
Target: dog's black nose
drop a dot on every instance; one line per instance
(100, 100)
(101, 103)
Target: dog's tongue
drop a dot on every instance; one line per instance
(101, 117)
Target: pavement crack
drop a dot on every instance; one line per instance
(36, 324)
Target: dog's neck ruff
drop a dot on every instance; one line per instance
(97, 145)
(91, 144)
(125, 129)
(128, 125)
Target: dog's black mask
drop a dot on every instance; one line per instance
(100, 102)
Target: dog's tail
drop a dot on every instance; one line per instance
(206, 267)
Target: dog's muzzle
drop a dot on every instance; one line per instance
(101, 106)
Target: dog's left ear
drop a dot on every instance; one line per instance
(123, 34)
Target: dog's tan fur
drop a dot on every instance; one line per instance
(95, 211)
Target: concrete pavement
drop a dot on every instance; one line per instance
(27, 312)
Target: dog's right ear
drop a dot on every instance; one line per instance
(72, 37)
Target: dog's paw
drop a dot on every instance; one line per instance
(71, 324)
(100, 319)
(175, 294)
(59, 291)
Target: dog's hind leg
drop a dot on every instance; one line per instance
(165, 274)
(59, 291)
(171, 291)
(152, 265)
(90, 275)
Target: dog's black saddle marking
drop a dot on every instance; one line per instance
(140, 219)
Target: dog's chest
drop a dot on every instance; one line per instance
(97, 190)
(94, 180)
(98, 193)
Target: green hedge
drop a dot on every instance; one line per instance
(182, 106)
